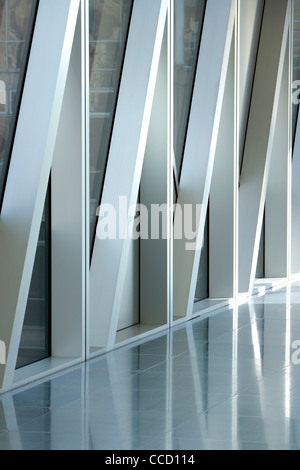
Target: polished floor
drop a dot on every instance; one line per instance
(230, 381)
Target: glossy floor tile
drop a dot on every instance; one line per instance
(228, 381)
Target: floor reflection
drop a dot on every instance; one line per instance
(223, 382)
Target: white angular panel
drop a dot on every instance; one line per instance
(260, 136)
(110, 256)
(201, 145)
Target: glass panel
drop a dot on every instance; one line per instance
(296, 61)
(202, 286)
(251, 14)
(35, 340)
(188, 16)
(109, 23)
(16, 28)
(260, 268)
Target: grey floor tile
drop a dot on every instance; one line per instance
(226, 382)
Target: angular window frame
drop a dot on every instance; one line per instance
(47, 349)
(178, 170)
(93, 225)
(18, 100)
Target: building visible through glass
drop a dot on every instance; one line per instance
(16, 30)
(16, 25)
(35, 343)
(189, 16)
(109, 23)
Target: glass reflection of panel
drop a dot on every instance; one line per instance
(260, 268)
(16, 28)
(189, 16)
(109, 23)
(296, 59)
(35, 340)
(202, 286)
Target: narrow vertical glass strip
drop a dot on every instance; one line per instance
(188, 22)
(17, 20)
(35, 342)
(251, 18)
(260, 268)
(202, 286)
(109, 25)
